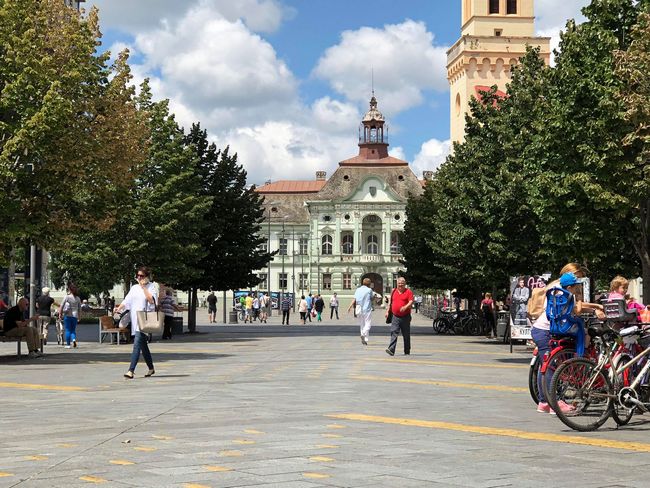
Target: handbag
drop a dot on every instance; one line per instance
(151, 322)
(389, 318)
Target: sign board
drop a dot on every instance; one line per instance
(520, 324)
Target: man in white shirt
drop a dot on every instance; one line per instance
(334, 306)
(363, 307)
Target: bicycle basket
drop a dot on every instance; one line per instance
(616, 310)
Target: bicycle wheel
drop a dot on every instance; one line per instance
(532, 378)
(581, 396)
(620, 413)
(554, 361)
(474, 327)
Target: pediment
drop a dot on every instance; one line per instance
(372, 190)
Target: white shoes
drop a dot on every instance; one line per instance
(67, 347)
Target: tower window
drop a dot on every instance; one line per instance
(494, 6)
(512, 7)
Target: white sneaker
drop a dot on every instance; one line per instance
(67, 347)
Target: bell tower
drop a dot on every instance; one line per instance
(494, 35)
(373, 142)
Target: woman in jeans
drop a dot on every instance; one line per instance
(142, 297)
(70, 310)
(541, 335)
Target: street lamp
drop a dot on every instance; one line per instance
(270, 208)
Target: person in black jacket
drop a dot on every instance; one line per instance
(319, 305)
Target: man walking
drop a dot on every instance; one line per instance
(310, 306)
(285, 306)
(400, 304)
(334, 306)
(44, 307)
(363, 308)
(212, 308)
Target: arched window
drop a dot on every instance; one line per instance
(373, 245)
(348, 244)
(494, 6)
(512, 7)
(326, 248)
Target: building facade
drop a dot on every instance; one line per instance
(494, 36)
(332, 233)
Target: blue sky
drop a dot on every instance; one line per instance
(286, 82)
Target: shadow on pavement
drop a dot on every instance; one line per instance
(97, 356)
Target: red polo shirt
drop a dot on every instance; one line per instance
(399, 300)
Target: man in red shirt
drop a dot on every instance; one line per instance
(400, 304)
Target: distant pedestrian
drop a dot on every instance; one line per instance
(15, 325)
(400, 305)
(487, 309)
(303, 309)
(334, 306)
(417, 303)
(256, 307)
(71, 309)
(141, 297)
(363, 309)
(264, 308)
(212, 307)
(310, 305)
(168, 307)
(319, 305)
(285, 306)
(44, 308)
(249, 308)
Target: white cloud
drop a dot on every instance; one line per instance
(141, 15)
(404, 59)
(432, 154)
(552, 16)
(397, 152)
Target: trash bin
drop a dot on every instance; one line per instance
(232, 317)
(502, 324)
(177, 326)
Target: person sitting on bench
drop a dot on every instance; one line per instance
(16, 326)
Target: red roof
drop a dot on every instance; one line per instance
(362, 161)
(289, 186)
(483, 88)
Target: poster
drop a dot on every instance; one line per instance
(521, 289)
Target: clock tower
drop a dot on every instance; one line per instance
(494, 35)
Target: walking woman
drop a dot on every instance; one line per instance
(487, 308)
(142, 297)
(70, 309)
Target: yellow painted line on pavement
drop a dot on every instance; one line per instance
(519, 434)
(231, 453)
(66, 445)
(36, 458)
(145, 448)
(92, 479)
(194, 485)
(447, 384)
(30, 386)
(254, 432)
(316, 475)
(243, 441)
(327, 446)
(321, 459)
(449, 363)
(217, 469)
(121, 462)
(5, 475)
(332, 436)
(337, 426)
(162, 437)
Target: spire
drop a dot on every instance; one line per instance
(373, 143)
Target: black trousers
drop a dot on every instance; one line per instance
(285, 315)
(332, 310)
(167, 332)
(400, 324)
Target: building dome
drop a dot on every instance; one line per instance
(373, 113)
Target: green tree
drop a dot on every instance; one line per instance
(632, 68)
(59, 111)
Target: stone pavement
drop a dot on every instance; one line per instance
(298, 406)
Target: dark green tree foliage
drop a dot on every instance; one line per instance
(231, 238)
(547, 175)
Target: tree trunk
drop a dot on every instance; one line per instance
(191, 316)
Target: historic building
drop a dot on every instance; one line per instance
(494, 36)
(331, 233)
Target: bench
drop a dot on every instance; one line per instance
(17, 340)
(107, 328)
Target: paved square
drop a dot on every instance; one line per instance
(298, 406)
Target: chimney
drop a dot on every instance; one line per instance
(427, 175)
(320, 175)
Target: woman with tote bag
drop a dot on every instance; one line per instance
(141, 298)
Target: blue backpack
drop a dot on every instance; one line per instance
(559, 311)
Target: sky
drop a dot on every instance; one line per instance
(285, 83)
